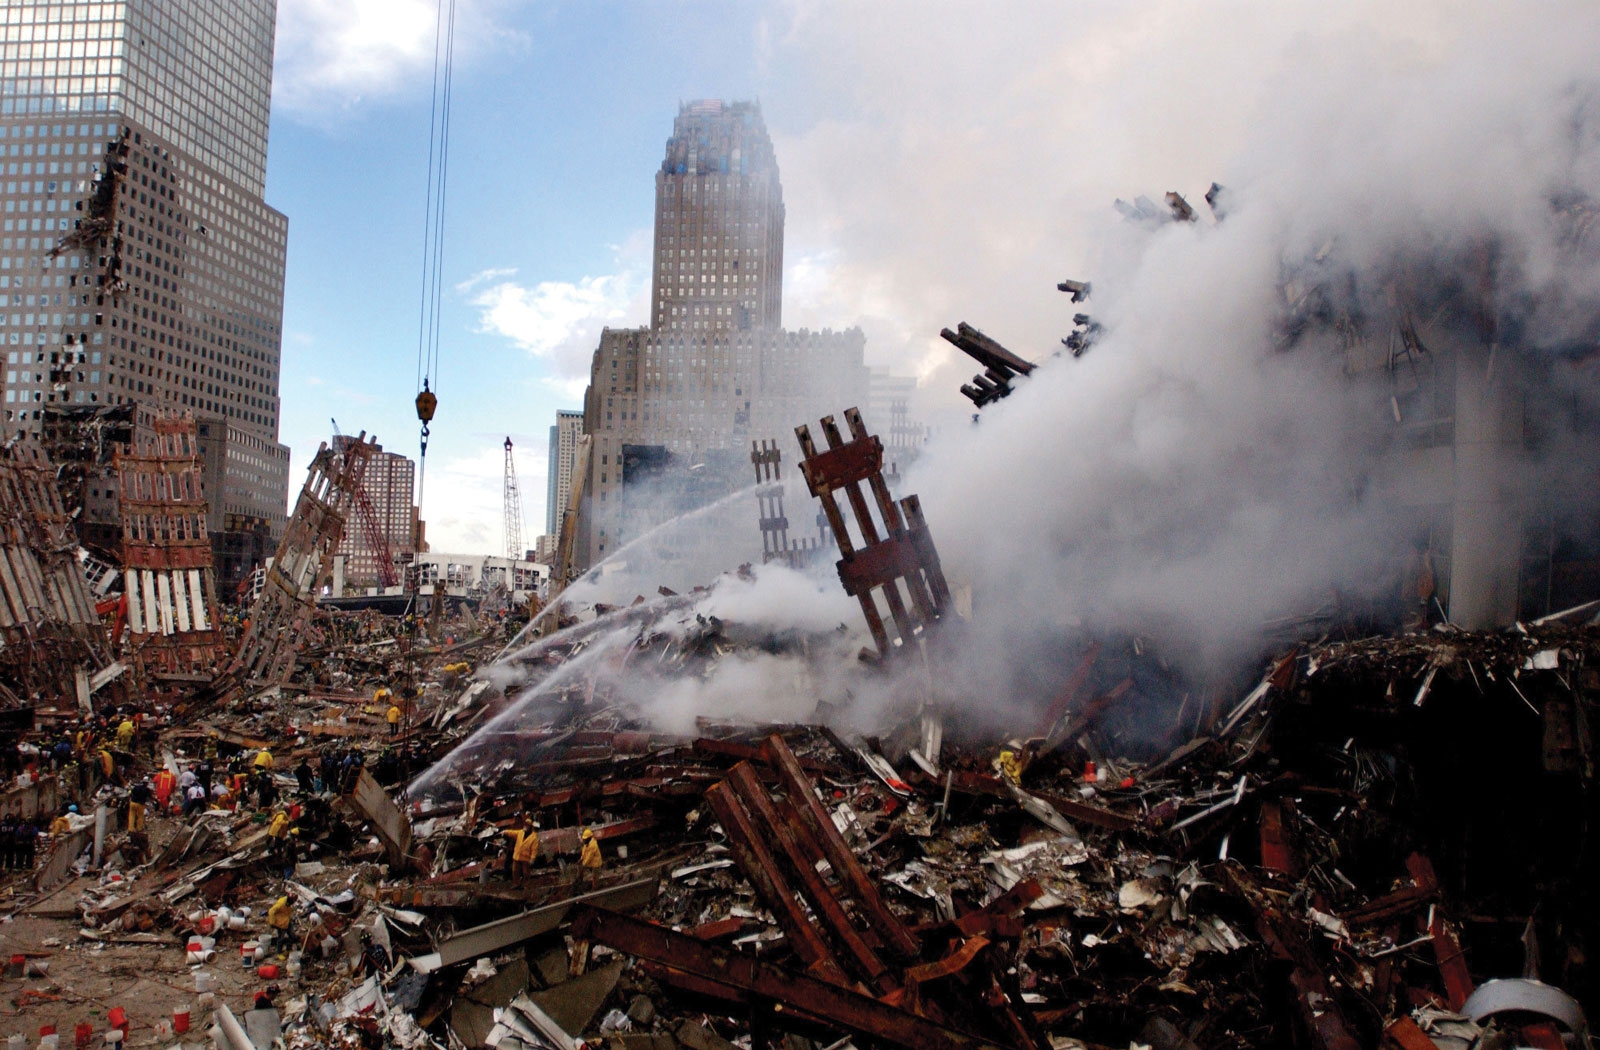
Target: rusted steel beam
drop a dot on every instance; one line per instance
(751, 753)
(817, 1000)
(951, 964)
(717, 929)
(869, 535)
(1458, 984)
(803, 857)
(821, 480)
(1276, 852)
(802, 795)
(1091, 714)
(1424, 887)
(1404, 1034)
(986, 351)
(967, 782)
(1319, 1012)
(759, 866)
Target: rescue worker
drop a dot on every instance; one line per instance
(304, 778)
(108, 765)
(138, 840)
(263, 762)
(394, 719)
(1009, 766)
(525, 850)
(27, 844)
(589, 860)
(280, 916)
(194, 799)
(164, 782)
(277, 831)
(60, 825)
(125, 734)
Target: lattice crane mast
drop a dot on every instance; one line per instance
(513, 502)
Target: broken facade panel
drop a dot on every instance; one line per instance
(48, 624)
(303, 565)
(775, 543)
(1000, 366)
(170, 585)
(903, 555)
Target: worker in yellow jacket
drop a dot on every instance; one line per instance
(263, 761)
(525, 851)
(589, 860)
(280, 916)
(394, 719)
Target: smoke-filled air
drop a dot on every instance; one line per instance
(1230, 457)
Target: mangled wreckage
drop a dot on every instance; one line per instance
(705, 820)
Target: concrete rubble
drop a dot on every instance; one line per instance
(464, 829)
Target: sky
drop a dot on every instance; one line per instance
(941, 162)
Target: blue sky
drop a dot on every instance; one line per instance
(941, 162)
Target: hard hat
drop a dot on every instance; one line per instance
(587, 834)
(72, 809)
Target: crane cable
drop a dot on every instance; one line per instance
(430, 313)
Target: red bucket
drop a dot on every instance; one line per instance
(118, 1018)
(82, 1033)
(268, 971)
(180, 1019)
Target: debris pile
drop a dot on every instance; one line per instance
(464, 828)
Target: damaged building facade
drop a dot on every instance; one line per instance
(139, 264)
(671, 409)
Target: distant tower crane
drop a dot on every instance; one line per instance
(513, 509)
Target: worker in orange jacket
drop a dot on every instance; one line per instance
(164, 783)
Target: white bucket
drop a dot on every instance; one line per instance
(204, 981)
(236, 922)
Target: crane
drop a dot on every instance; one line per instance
(377, 541)
(513, 501)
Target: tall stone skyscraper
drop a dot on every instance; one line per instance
(671, 409)
(563, 458)
(719, 223)
(138, 261)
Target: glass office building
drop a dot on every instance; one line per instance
(138, 260)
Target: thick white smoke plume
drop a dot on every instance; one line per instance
(1196, 473)
(1187, 474)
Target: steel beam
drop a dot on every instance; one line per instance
(811, 998)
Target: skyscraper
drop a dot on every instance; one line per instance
(563, 457)
(389, 487)
(671, 409)
(138, 261)
(719, 223)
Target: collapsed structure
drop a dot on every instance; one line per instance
(714, 817)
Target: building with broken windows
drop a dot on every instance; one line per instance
(139, 264)
(671, 409)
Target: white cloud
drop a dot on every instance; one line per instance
(560, 321)
(550, 314)
(332, 56)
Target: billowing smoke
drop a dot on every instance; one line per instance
(1224, 454)
(1215, 460)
